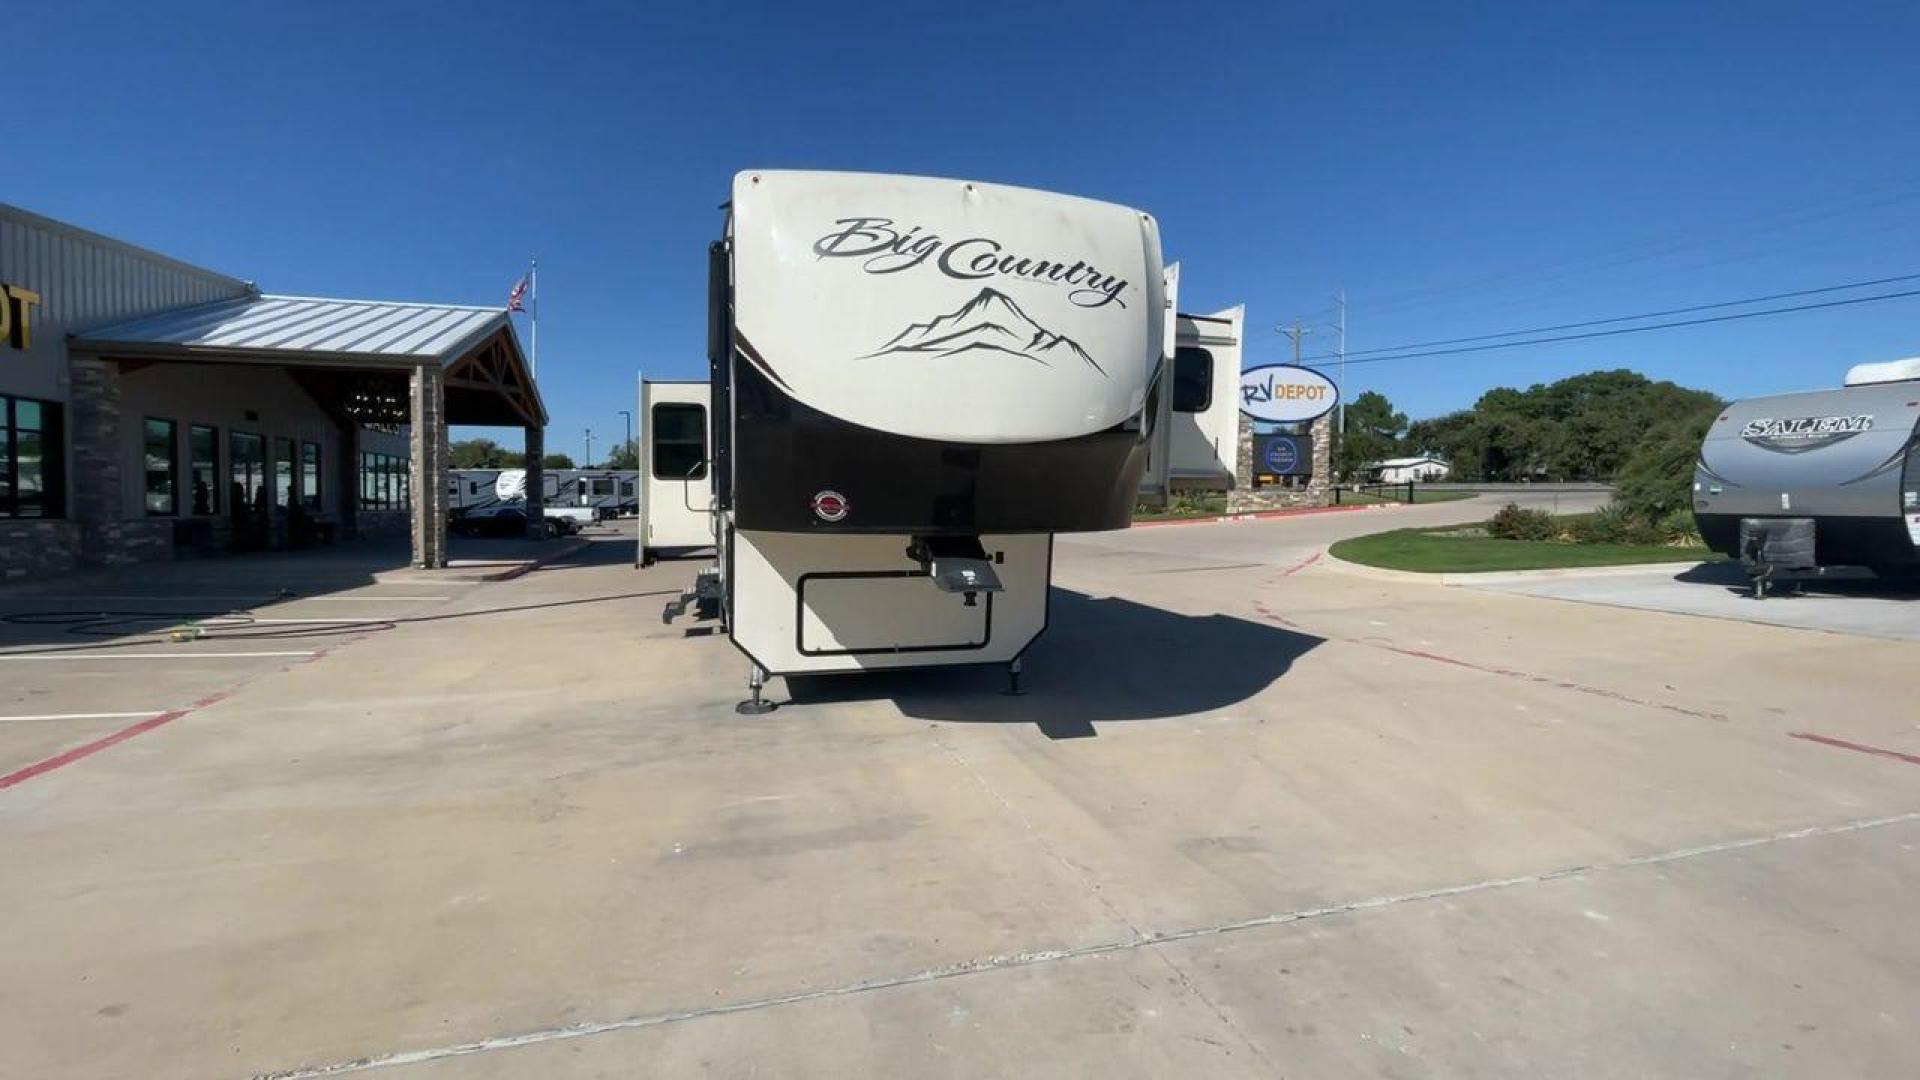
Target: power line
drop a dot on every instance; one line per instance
(1619, 318)
(1637, 329)
(1658, 246)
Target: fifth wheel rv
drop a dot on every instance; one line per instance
(1828, 478)
(914, 384)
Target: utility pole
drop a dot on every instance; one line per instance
(1343, 363)
(588, 464)
(1295, 332)
(636, 450)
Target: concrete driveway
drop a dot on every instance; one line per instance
(1252, 818)
(1841, 604)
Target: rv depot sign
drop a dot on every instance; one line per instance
(1286, 394)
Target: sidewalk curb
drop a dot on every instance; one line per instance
(1263, 515)
(573, 547)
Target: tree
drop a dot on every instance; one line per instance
(556, 461)
(1373, 432)
(479, 454)
(1657, 478)
(624, 456)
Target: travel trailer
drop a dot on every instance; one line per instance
(914, 384)
(607, 492)
(1811, 480)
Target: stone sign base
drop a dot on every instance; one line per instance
(1245, 498)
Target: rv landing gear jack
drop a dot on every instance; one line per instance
(1013, 679)
(755, 705)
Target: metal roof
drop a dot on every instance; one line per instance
(309, 326)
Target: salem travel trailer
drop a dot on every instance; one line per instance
(915, 383)
(1828, 478)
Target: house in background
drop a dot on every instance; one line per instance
(1405, 469)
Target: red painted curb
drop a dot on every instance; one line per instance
(1263, 515)
(579, 544)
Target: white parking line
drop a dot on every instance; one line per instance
(149, 656)
(83, 716)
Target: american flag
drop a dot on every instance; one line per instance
(518, 294)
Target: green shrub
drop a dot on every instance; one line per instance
(1616, 524)
(1514, 523)
(1680, 527)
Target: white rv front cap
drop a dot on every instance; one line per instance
(944, 309)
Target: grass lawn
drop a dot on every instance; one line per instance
(1361, 498)
(1423, 551)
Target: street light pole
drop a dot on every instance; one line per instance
(628, 413)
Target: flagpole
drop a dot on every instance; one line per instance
(533, 285)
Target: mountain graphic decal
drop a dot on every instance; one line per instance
(989, 323)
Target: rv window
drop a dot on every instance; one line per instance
(679, 441)
(1192, 379)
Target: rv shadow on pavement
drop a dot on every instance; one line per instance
(1844, 581)
(1100, 661)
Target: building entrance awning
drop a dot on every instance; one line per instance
(354, 355)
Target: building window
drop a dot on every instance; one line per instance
(31, 482)
(160, 450)
(203, 469)
(310, 475)
(679, 442)
(246, 470)
(283, 491)
(384, 480)
(1192, 379)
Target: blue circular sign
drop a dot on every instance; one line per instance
(1282, 456)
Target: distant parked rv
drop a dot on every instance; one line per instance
(610, 492)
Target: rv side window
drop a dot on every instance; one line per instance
(679, 442)
(1192, 379)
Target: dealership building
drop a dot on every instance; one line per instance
(151, 409)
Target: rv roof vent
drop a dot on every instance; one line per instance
(1887, 371)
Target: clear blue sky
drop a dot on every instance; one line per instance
(1455, 171)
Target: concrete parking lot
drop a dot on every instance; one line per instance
(1841, 603)
(1253, 817)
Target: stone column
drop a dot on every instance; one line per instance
(1243, 459)
(536, 451)
(1320, 485)
(93, 419)
(427, 390)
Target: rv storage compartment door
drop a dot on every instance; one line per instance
(802, 603)
(863, 611)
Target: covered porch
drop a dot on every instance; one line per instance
(362, 385)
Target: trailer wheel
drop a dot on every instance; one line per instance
(552, 530)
